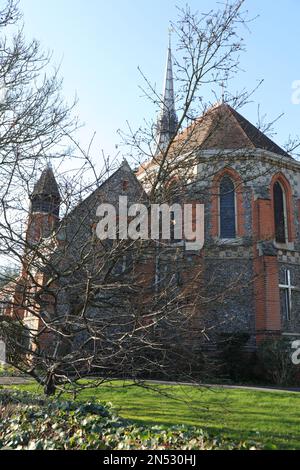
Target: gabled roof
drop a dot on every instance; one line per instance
(124, 169)
(46, 185)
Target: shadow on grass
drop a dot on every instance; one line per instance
(267, 417)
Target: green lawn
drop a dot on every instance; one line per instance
(272, 418)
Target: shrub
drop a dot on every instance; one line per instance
(236, 362)
(10, 371)
(275, 364)
(28, 423)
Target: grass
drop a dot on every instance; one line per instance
(272, 418)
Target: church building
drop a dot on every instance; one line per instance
(250, 189)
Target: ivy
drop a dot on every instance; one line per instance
(28, 422)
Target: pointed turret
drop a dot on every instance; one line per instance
(45, 197)
(167, 121)
(44, 210)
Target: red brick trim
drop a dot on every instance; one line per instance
(279, 177)
(267, 295)
(263, 220)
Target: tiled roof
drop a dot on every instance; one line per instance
(46, 185)
(257, 138)
(220, 128)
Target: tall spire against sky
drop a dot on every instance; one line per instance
(167, 121)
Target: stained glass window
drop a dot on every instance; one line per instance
(227, 208)
(279, 213)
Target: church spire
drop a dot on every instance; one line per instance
(167, 121)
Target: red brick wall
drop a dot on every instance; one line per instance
(266, 281)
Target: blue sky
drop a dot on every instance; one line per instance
(100, 44)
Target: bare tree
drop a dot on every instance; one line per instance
(114, 308)
(33, 116)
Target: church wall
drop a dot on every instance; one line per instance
(241, 276)
(287, 255)
(291, 325)
(257, 306)
(230, 278)
(228, 264)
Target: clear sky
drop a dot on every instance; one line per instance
(100, 43)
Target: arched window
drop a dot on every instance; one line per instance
(280, 218)
(227, 208)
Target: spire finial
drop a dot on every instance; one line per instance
(222, 97)
(170, 30)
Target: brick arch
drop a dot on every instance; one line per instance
(281, 178)
(215, 187)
